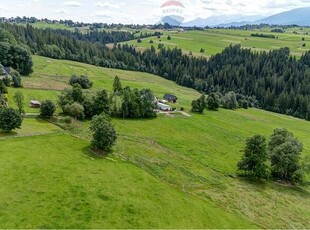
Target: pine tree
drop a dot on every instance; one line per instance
(117, 85)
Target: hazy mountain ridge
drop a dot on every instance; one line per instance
(299, 16)
(223, 19)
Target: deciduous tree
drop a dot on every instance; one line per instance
(19, 101)
(9, 119)
(104, 134)
(285, 155)
(47, 109)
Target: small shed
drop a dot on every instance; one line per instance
(34, 104)
(170, 98)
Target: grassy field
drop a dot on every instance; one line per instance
(59, 184)
(215, 40)
(32, 127)
(169, 172)
(51, 76)
(44, 25)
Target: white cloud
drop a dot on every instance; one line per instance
(61, 11)
(73, 3)
(108, 5)
(110, 15)
(145, 11)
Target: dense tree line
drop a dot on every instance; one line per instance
(72, 24)
(123, 103)
(14, 54)
(263, 26)
(263, 35)
(278, 81)
(277, 30)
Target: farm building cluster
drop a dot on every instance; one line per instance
(162, 104)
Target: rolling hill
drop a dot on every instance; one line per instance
(169, 172)
(215, 40)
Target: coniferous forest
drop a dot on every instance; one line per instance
(278, 81)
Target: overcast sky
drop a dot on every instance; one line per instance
(139, 12)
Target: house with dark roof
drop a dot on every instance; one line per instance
(3, 73)
(8, 70)
(170, 98)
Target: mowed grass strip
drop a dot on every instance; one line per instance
(52, 181)
(31, 127)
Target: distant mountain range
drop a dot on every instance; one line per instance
(300, 16)
(223, 19)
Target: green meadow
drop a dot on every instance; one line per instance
(215, 40)
(44, 25)
(170, 172)
(53, 181)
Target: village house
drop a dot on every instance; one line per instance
(163, 107)
(170, 98)
(34, 104)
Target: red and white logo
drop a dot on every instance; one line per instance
(173, 12)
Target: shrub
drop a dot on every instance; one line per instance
(17, 81)
(68, 120)
(75, 110)
(7, 80)
(3, 88)
(19, 101)
(213, 101)
(9, 119)
(47, 109)
(199, 105)
(104, 134)
(229, 101)
(82, 80)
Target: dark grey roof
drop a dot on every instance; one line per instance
(2, 71)
(7, 70)
(170, 96)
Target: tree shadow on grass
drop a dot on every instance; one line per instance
(280, 187)
(4, 134)
(95, 153)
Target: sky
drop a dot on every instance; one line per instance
(140, 12)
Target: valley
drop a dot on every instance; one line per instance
(185, 165)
